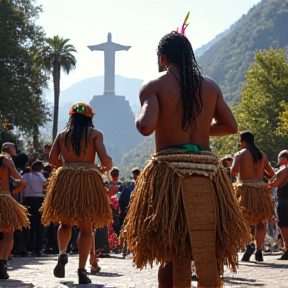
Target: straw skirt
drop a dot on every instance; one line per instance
(255, 200)
(183, 206)
(76, 194)
(12, 214)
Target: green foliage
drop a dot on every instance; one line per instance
(282, 128)
(21, 77)
(137, 157)
(264, 100)
(56, 54)
(226, 62)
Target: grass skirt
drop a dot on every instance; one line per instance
(12, 214)
(75, 194)
(255, 200)
(183, 200)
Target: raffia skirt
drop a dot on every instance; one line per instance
(255, 200)
(12, 214)
(76, 193)
(183, 201)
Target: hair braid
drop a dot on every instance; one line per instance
(178, 50)
(77, 126)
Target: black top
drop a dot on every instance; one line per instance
(283, 191)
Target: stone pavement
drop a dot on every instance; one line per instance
(117, 272)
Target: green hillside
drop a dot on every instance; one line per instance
(226, 62)
(137, 157)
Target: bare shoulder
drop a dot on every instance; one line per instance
(94, 133)
(211, 84)
(263, 154)
(152, 84)
(7, 161)
(240, 153)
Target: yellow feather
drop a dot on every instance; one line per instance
(186, 19)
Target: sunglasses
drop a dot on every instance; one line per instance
(114, 174)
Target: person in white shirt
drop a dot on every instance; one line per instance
(33, 198)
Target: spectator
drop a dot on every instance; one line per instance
(34, 197)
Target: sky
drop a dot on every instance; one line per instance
(136, 23)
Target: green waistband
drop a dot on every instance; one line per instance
(187, 147)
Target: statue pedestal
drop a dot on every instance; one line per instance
(114, 117)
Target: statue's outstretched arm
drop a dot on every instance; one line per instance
(118, 47)
(99, 47)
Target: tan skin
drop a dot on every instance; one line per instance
(95, 146)
(162, 112)
(6, 244)
(246, 169)
(281, 180)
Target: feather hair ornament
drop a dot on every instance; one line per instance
(185, 24)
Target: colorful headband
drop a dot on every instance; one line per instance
(185, 24)
(83, 109)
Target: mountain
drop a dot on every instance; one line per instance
(200, 51)
(226, 61)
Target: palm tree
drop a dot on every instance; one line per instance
(57, 54)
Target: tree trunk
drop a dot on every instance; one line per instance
(56, 80)
(36, 143)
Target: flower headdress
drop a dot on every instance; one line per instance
(185, 24)
(83, 109)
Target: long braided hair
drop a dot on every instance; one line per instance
(248, 137)
(178, 50)
(77, 126)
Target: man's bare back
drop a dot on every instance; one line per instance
(95, 146)
(245, 167)
(162, 112)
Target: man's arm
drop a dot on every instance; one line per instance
(105, 160)
(55, 153)
(235, 168)
(280, 177)
(146, 120)
(225, 122)
(15, 175)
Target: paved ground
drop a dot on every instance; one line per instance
(119, 273)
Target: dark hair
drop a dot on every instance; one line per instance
(20, 160)
(37, 166)
(248, 137)
(178, 50)
(114, 170)
(283, 154)
(78, 126)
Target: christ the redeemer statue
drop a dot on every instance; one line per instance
(109, 49)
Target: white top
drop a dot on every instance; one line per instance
(34, 184)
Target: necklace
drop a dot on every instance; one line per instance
(174, 76)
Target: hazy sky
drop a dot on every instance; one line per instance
(137, 23)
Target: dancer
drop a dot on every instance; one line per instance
(183, 206)
(76, 194)
(254, 197)
(13, 216)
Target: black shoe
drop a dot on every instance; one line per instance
(249, 251)
(59, 270)
(259, 256)
(284, 256)
(3, 270)
(83, 278)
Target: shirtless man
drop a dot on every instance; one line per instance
(76, 194)
(254, 196)
(179, 107)
(281, 182)
(13, 215)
